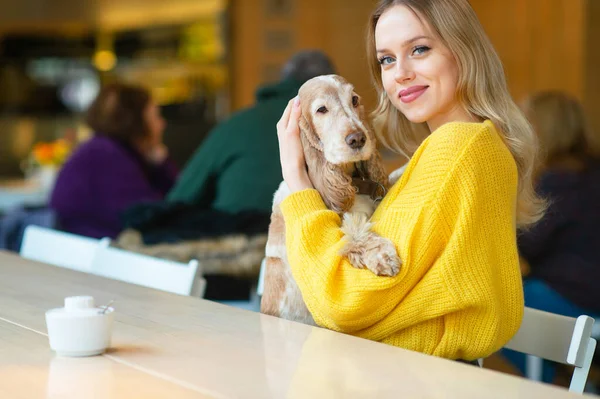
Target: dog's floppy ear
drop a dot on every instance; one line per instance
(376, 170)
(334, 185)
(374, 165)
(306, 130)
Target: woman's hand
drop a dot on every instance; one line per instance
(293, 165)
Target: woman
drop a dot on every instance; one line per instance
(560, 254)
(454, 213)
(125, 163)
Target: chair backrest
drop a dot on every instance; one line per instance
(558, 338)
(260, 288)
(58, 248)
(162, 274)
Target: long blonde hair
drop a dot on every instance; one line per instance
(482, 90)
(560, 124)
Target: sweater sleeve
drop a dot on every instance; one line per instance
(339, 296)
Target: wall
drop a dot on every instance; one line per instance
(335, 26)
(591, 91)
(345, 33)
(543, 44)
(548, 44)
(79, 16)
(540, 42)
(245, 37)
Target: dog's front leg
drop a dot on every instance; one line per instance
(365, 249)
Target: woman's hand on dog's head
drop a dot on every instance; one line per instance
(291, 153)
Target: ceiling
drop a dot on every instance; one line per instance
(78, 16)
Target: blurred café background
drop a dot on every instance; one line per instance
(204, 59)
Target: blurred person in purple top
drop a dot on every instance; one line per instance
(125, 163)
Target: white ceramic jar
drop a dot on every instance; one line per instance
(80, 328)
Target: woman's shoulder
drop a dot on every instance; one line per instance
(99, 149)
(463, 135)
(462, 153)
(466, 142)
(100, 143)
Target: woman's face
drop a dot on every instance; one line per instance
(155, 122)
(419, 74)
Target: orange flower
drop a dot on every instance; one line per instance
(51, 154)
(43, 153)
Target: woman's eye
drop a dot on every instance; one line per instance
(355, 101)
(386, 60)
(322, 110)
(419, 50)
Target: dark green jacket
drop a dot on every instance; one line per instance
(237, 167)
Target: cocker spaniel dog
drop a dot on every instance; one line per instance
(346, 168)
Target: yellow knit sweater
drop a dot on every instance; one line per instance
(452, 218)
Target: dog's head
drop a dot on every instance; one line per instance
(337, 137)
(333, 120)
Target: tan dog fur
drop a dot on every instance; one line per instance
(331, 163)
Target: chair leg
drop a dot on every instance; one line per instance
(580, 374)
(534, 367)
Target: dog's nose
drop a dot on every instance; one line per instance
(356, 140)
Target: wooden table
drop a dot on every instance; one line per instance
(165, 345)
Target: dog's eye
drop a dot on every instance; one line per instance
(355, 101)
(322, 110)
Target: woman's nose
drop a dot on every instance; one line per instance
(403, 72)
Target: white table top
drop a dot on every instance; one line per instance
(22, 192)
(28, 369)
(165, 345)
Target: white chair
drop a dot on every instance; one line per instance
(147, 271)
(561, 339)
(260, 288)
(199, 285)
(596, 330)
(253, 303)
(57, 248)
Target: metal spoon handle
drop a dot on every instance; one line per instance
(107, 306)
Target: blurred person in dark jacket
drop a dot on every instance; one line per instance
(237, 167)
(125, 163)
(560, 256)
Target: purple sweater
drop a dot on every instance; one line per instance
(102, 179)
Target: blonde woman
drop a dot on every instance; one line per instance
(453, 215)
(562, 250)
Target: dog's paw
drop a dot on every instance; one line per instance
(375, 253)
(381, 258)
